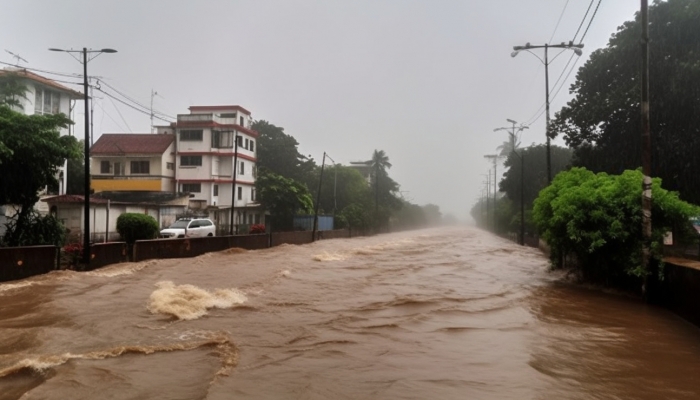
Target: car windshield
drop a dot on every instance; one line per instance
(180, 224)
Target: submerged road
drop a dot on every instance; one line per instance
(435, 314)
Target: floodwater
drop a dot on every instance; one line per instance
(431, 314)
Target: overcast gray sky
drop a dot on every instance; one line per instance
(425, 81)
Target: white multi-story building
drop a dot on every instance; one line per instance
(204, 148)
(45, 96)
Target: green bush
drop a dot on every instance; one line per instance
(596, 218)
(133, 227)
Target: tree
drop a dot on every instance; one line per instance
(282, 197)
(385, 200)
(602, 124)
(12, 90)
(277, 152)
(596, 218)
(535, 171)
(37, 150)
(342, 186)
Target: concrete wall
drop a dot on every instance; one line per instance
(680, 289)
(301, 237)
(23, 262)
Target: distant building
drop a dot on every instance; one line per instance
(204, 149)
(364, 168)
(133, 162)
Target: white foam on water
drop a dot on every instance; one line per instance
(188, 302)
(4, 287)
(325, 256)
(120, 269)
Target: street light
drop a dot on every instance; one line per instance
(86, 206)
(571, 46)
(513, 136)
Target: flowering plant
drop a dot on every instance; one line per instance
(257, 228)
(74, 251)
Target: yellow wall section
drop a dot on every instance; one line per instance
(102, 185)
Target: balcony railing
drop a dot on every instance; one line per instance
(208, 118)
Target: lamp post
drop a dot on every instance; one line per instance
(86, 216)
(513, 138)
(494, 157)
(577, 49)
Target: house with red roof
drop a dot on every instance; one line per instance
(133, 162)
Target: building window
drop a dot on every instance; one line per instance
(252, 194)
(169, 165)
(46, 102)
(228, 115)
(191, 135)
(240, 193)
(192, 187)
(104, 167)
(190, 161)
(241, 171)
(239, 141)
(140, 167)
(251, 146)
(246, 144)
(222, 140)
(216, 190)
(242, 121)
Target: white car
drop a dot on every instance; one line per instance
(189, 227)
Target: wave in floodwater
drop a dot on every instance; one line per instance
(444, 313)
(187, 302)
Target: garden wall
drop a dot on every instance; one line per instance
(23, 262)
(299, 237)
(680, 289)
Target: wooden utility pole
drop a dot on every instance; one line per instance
(647, 263)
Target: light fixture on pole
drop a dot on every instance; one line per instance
(494, 157)
(571, 46)
(86, 216)
(513, 136)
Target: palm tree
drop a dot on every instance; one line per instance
(379, 162)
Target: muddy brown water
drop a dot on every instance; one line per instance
(432, 314)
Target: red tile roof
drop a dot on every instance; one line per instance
(219, 108)
(131, 143)
(44, 81)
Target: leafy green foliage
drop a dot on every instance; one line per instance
(597, 219)
(133, 227)
(12, 90)
(36, 152)
(283, 197)
(277, 152)
(601, 123)
(37, 230)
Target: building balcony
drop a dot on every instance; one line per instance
(104, 183)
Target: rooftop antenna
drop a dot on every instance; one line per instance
(17, 57)
(153, 94)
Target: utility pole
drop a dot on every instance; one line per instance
(233, 183)
(494, 158)
(514, 144)
(647, 263)
(571, 46)
(318, 199)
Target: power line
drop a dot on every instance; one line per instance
(120, 115)
(557, 26)
(133, 107)
(136, 101)
(591, 20)
(583, 19)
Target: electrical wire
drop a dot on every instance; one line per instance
(583, 19)
(136, 101)
(559, 21)
(146, 112)
(591, 20)
(121, 116)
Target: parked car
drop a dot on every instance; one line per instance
(189, 227)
